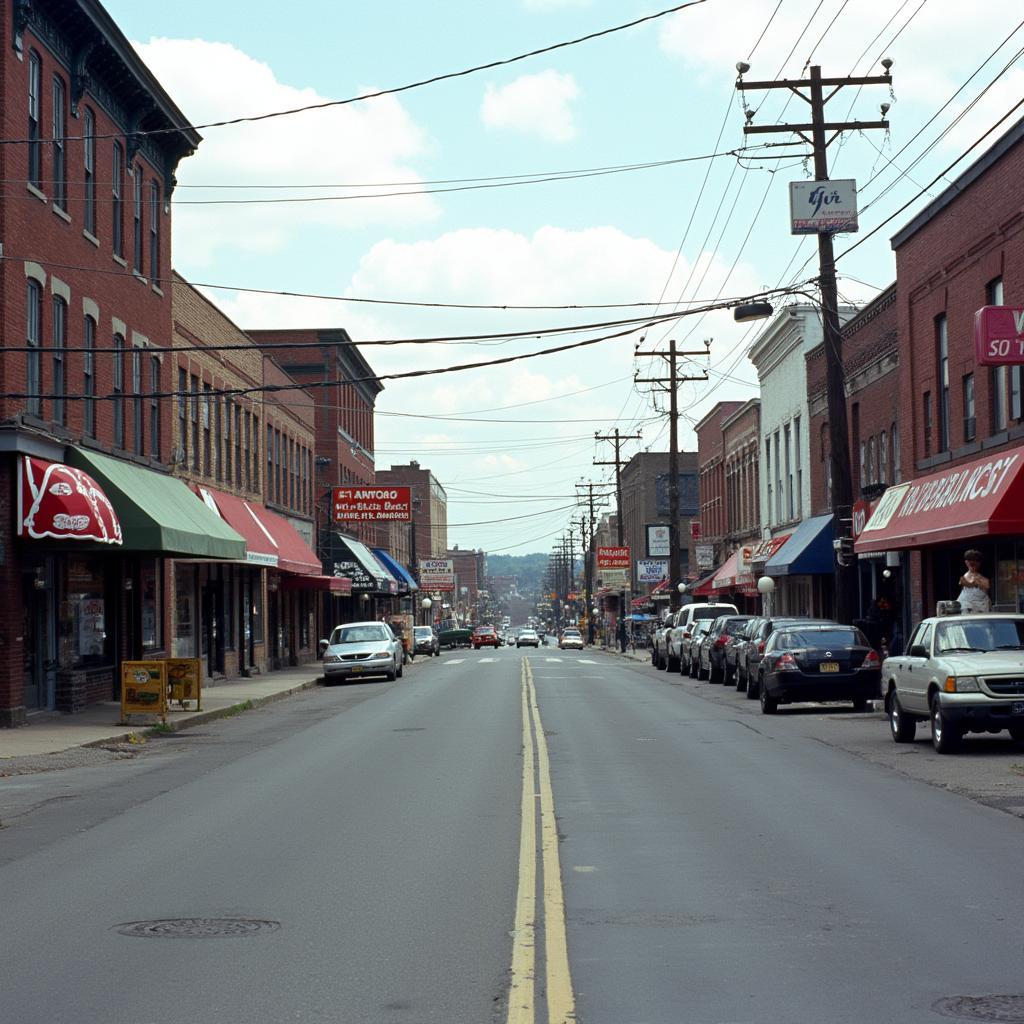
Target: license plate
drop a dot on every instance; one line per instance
(1017, 708)
(829, 666)
(357, 668)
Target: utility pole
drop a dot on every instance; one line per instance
(588, 565)
(838, 429)
(617, 440)
(673, 381)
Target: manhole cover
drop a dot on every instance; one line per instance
(1004, 1009)
(198, 928)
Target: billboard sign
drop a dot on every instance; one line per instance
(999, 336)
(437, 574)
(705, 556)
(617, 579)
(613, 558)
(659, 541)
(372, 504)
(651, 570)
(822, 207)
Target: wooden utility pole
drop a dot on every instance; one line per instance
(673, 381)
(617, 440)
(588, 565)
(838, 429)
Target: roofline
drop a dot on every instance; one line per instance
(992, 155)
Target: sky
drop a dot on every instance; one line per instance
(430, 196)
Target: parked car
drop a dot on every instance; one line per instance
(659, 645)
(748, 658)
(484, 636)
(818, 662)
(361, 649)
(691, 648)
(571, 639)
(425, 641)
(456, 637)
(963, 673)
(711, 651)
(527, 638)
(732, 652)
(682, 626)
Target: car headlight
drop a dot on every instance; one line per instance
(962, 684)
(381, 654)
(332, 657)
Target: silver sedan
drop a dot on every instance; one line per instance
(361, 649)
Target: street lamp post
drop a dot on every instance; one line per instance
(426, 604)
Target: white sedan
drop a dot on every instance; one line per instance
(963, 673)
(361, 649)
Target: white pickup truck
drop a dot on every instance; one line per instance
(682, 626)
(963, 673)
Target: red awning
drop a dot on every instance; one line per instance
(703, 588)
(260, 548)
(962, 503)
(763, 551)
(726, 575)
(63, 503)
(333, 584)
(293, 553)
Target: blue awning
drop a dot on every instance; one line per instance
(399, 571)
(808, 552)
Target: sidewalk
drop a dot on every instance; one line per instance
(54, 731)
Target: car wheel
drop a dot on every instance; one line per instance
(392, 674)
(691, 669)
(945, 736)
(672, 664)
(769, 705)
(1017, 732)
(700, 670)
(741, 683)
(901, 725)
(399, 670)
(751, 686)
(714, 675)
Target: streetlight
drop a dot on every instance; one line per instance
(426, 604)
(752, 311)
(766, 587)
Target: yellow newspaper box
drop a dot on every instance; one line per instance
(143, 688)
(185, 676)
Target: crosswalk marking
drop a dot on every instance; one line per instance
(552, 659)
(455, 661)
(484, 661)
(586, 661)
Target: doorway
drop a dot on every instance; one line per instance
(39, 659)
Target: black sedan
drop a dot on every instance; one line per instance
(818, 662)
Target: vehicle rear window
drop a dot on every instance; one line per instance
(837, 637)
(708, 611)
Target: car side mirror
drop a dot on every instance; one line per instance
(322, 646)
(919, 651)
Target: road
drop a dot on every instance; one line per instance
(502, 836)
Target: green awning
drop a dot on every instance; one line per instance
(159, 513)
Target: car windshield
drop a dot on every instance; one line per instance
(358, 634)
(422, 631)
(977, 633)
(571, 632)
(825, 638)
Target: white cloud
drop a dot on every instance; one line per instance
(533, 104)
(366, 142)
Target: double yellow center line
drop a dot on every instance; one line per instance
(538, 812)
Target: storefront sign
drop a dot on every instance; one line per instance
(861, 514)
(185, 676)
(613, 558)
(144, 688)
(659, 541)
(705, 556)
(822, 207)
(616, 579)
(359, 577)
(437, 574)
(63, 503)
(650, 570)
(763, 551)
(694, 529)
(372, 504)
(999, 336)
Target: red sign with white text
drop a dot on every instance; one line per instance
(372, 504)
(613, 558)
(999, 336)
(60, 502)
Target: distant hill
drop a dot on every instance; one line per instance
(529, 569)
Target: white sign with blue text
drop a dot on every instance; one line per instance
(823, 207)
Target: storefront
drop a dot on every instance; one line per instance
(804, 570)
(929, 522)
(372, 585)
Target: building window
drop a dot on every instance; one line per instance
(228, 446)
(786, 443)
(154, 406)
(138, 438)
(248, 450)
(151, 602)
(89, 147)
(256, 453)
(118, 391)
(926, 420)
(206, 429)
(969, 422)
(137, 218)
(897, 469)
(883, 459)
(117, 200)
(238, 446)
(194, 401)
(270, 463)
(154, 232)
(35, 151)
(60, 340)
(942, 396)
(799, 468)
(863, 475)
(872, 461)
(59, 134)
(183, 413)
(768, 477)
(218, 440)
(89, 377)
(778, 480)
(33, 338)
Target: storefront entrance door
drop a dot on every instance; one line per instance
(213, 619)
(39, 661)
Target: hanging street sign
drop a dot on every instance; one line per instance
(823, 207)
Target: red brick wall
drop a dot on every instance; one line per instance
(711, 466)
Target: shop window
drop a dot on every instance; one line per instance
(256, 609)
(151, 593)
(184, 611)
(997, 390)
(84, 633)
(228, 605)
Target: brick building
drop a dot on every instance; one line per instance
(713, 519)
(91, 514)
(961, 436)
(428, 537)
